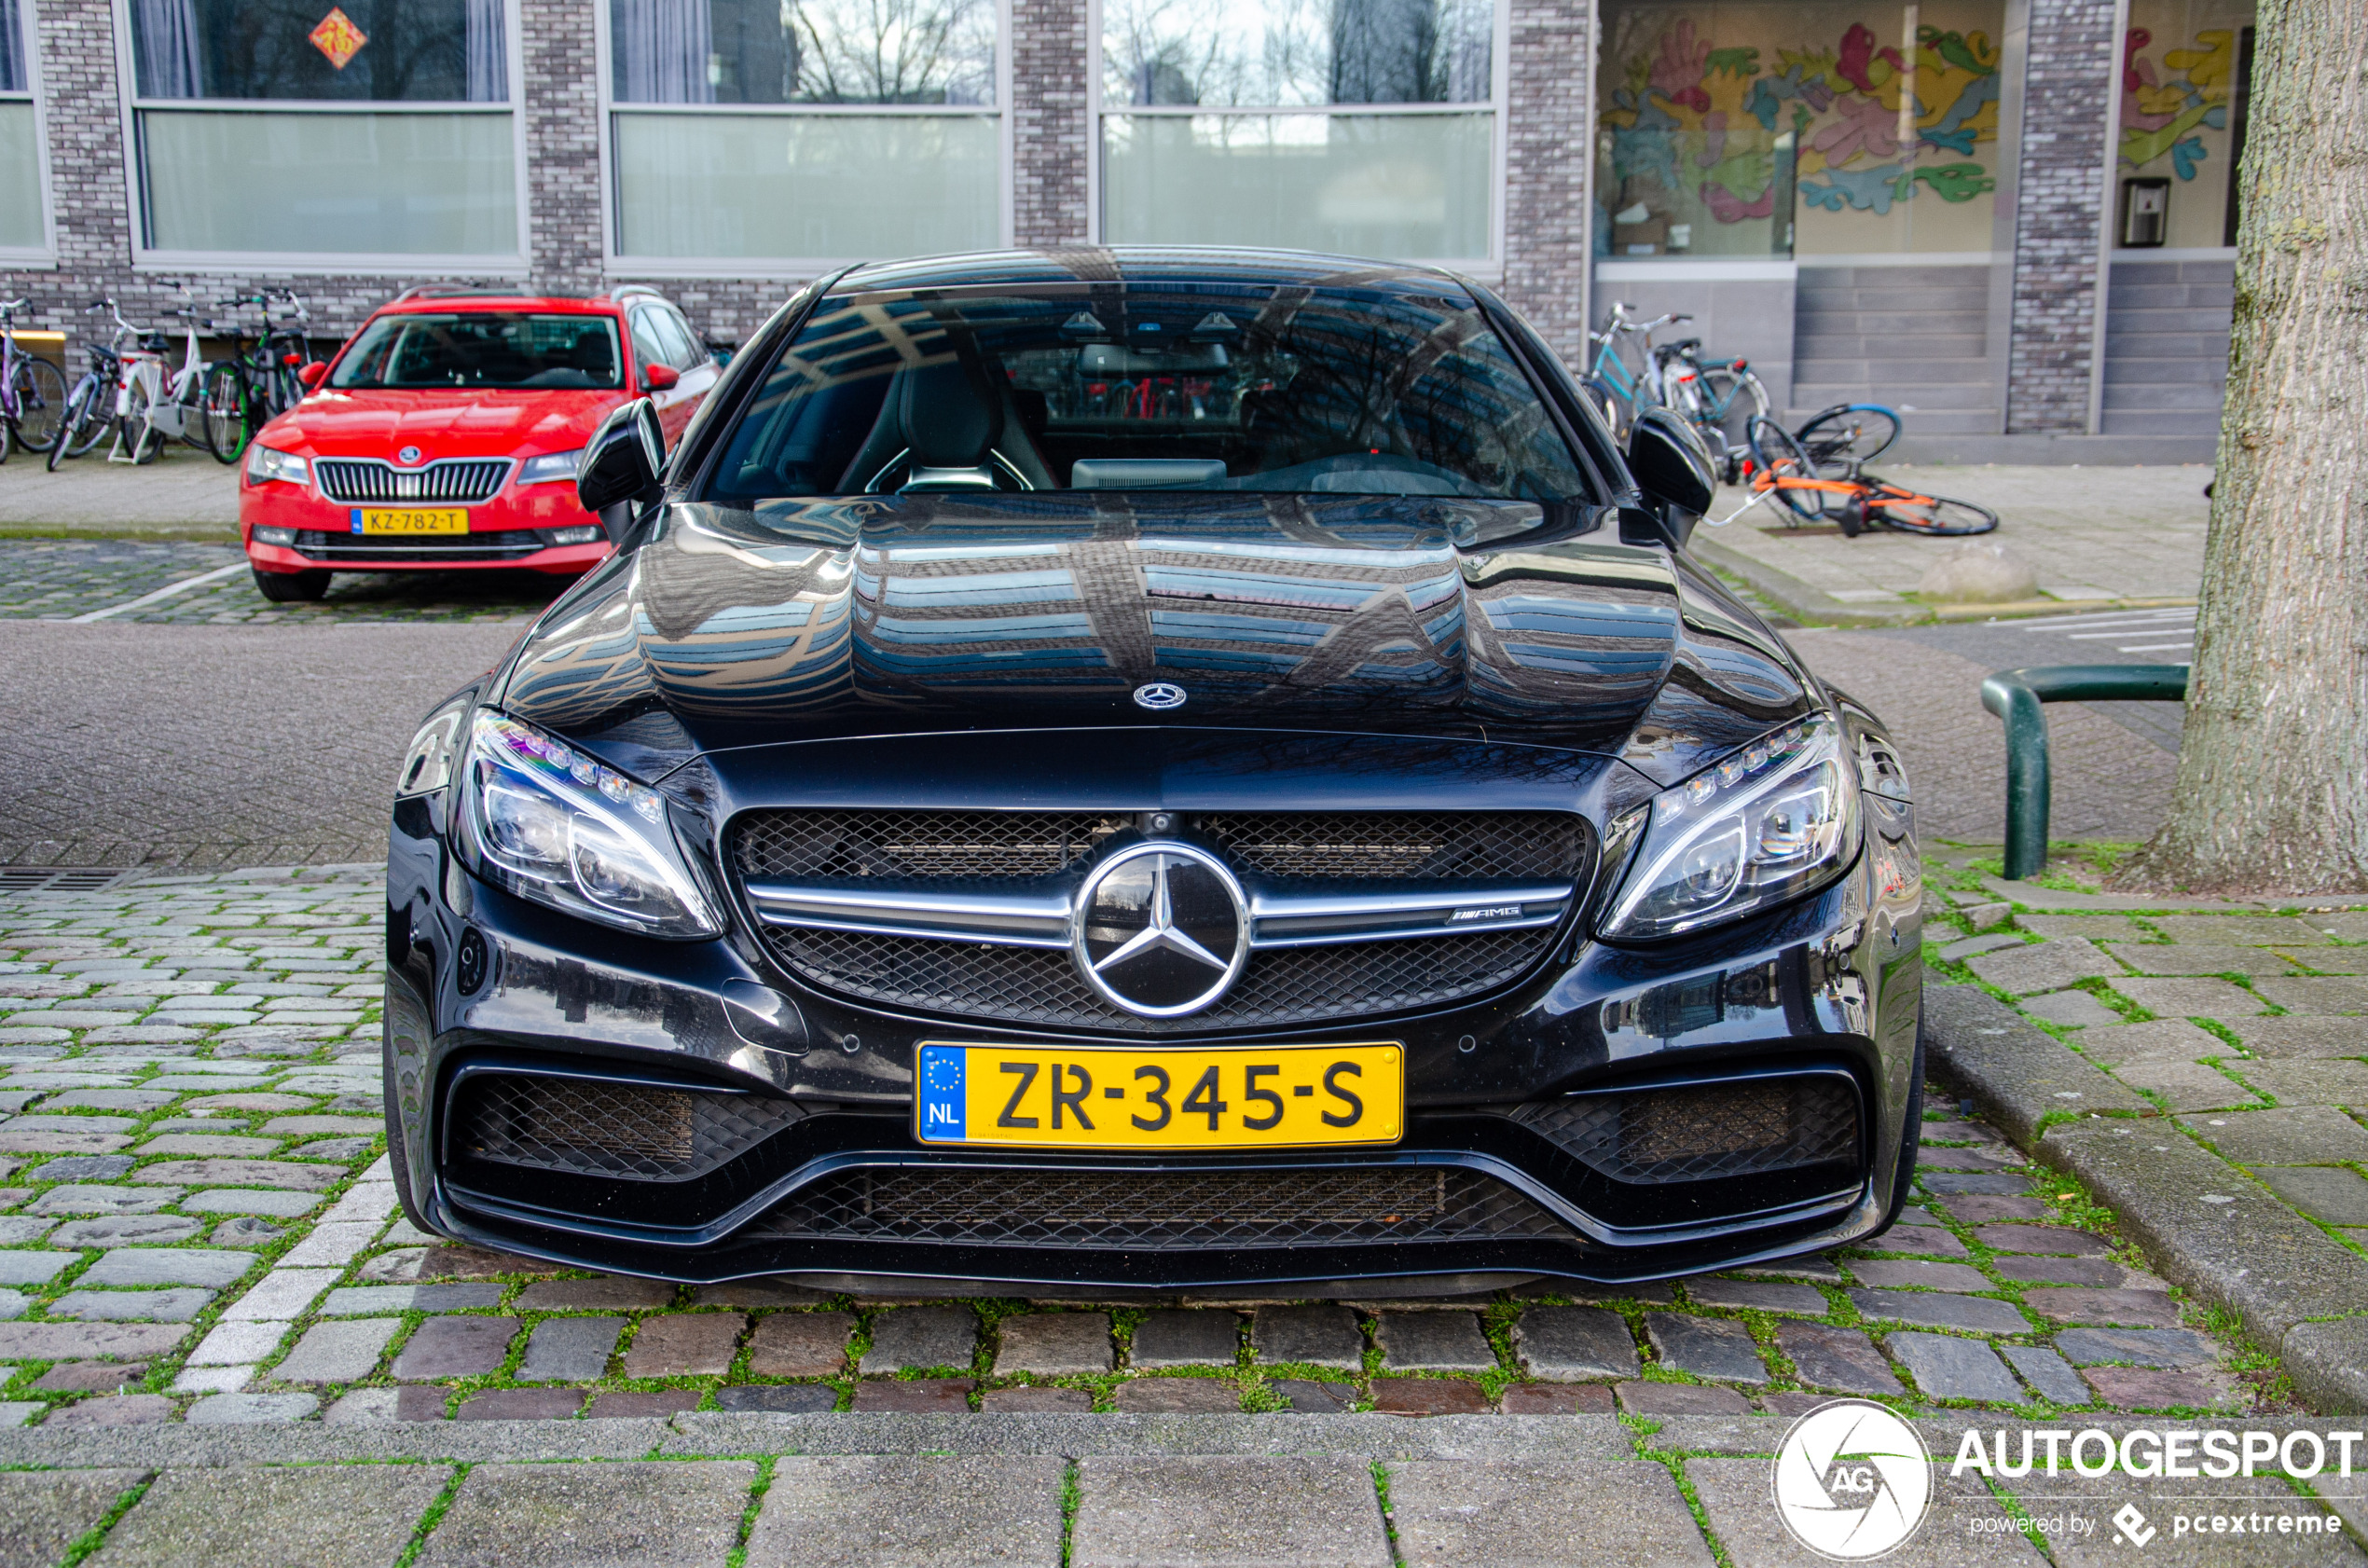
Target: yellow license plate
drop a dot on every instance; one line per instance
(1086, 1097)
(446, 519)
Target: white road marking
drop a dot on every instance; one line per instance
(166, 592)
(2152, 647)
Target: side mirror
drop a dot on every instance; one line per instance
(1673, 466)
(312, 374)
(658, 377)
(619, 470)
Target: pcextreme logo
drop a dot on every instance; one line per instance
(1851, 1481)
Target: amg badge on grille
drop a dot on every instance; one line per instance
(1159, 696)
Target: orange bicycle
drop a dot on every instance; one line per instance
(1781, 468)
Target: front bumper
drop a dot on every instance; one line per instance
(510, 532)
(1826, 990)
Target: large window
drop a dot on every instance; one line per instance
(1812, 130)
(1368, 127)
(23, 222)
(2186, 72)
(790, 131)
(302, 128)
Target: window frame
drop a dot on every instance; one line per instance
(617, 262)
(43, 256)
(1497, 105)
(147, 257)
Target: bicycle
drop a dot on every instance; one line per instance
(90, 412)
(153, 408)
(32, 394)
(239, 390)
(288, 350)
(1620, 392)
(1782, 468)
(1719, 399)
(1848, 432)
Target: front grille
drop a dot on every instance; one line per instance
(1401, 846)
(922, 850)
(1040, 985)
(1160, 1211)
(931, 845)
(587, 1127)
(464, 481)
(1697, 1132)
(919, 845)
(500, 545)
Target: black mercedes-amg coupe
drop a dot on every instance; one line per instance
(1152, 768)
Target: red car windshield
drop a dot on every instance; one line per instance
(483, 349)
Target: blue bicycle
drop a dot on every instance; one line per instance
(1618, 393)
(1845, 436)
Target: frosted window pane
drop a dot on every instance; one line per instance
(406, 184)
(807, 186)
(1412, 187)
(20, 177)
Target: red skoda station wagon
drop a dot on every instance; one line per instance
(445, 435)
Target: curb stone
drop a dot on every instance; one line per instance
(1808, 605)
(2018, 1075)
(2285, 1271)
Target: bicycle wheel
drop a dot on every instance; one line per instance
(222, 412)
(136, 431)
(1725, 401)
(1608, 402)
(1912, 512)
(1846, 433)
(1780, 456)
(41, 403)
(81, 428)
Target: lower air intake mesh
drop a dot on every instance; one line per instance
(1159, 1211)
(1748, 1127)
(590, 1128)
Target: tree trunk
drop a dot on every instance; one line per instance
(2273, 772)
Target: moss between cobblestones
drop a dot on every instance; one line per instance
(1674, 1461)
(91, 1540)
(435, 1515)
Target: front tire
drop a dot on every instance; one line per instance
(291, 587)
(41, 401)
(222, 415)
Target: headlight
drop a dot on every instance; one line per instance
(264, 463)
(550, 466)
(553, 825)
(1764, 825)
(262, 535)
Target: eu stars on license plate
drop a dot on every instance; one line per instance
(1088, 1097)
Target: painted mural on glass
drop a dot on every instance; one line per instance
(2183, 63)
(1767, 129)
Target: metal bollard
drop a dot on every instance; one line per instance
(2016, 695)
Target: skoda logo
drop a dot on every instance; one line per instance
(408, 454)
(1160, 929)
(1159, 696)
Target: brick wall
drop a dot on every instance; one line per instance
(1049, 122)
(562, 111)
(2068, 97)
(1547, 231)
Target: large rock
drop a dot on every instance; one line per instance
(1979, 571)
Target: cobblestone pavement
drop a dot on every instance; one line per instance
(210, 746)
(2092, 533)
(201, 1228)
(115, 579)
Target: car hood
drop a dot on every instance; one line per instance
(441, 423)
(906, 615)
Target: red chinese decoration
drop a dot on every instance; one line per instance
(338, 38)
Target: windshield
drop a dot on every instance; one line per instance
(482, 349)
(1181, 386)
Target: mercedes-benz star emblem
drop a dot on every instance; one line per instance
(1160, 929)
(408, 454)
(1159, 696)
